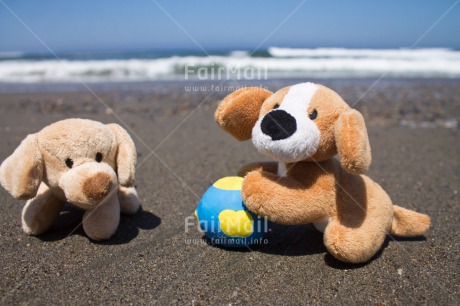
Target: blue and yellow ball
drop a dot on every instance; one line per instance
(224, 218)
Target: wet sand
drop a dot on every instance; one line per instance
(413, 129)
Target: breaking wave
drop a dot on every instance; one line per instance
(275, 62)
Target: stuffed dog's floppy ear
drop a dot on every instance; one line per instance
(238, 112)
(352, 142)
(126, 156)
(21, 173)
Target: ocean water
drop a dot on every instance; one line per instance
(272, 63)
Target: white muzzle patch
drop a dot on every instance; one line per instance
(287, 134)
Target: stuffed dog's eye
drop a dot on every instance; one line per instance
(69, 162)
(313, 114)
(98, 157)
(276, 106)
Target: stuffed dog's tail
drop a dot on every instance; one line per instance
(408, 223)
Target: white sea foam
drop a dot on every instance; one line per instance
(239, 53)
(312, 63)
(409, 54)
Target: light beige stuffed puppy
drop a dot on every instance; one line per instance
(303, 127)
(86, 163)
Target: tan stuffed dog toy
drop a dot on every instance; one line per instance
(84, 162)
(303, 127)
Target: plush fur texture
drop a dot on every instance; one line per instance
(317, 188)
(238, 112)
(296, 136)
(83, 162)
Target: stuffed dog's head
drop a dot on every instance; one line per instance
(303, 122)
(80, 160)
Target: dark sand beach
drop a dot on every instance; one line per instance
(413, 129)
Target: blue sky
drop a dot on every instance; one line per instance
(88, 25)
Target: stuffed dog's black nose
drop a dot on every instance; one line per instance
(278, 124)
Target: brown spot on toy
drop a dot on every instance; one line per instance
(97, 186)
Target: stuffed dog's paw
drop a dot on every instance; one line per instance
(253, 192)
(129, 200)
